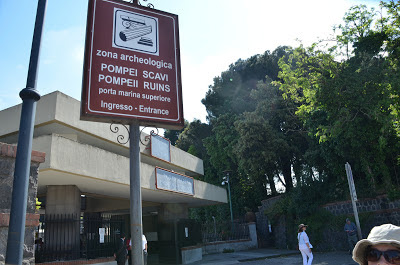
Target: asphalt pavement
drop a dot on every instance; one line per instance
(275, 256)
(267, 256)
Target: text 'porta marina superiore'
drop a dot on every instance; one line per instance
(132, 65)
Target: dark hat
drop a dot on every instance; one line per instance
(302, 225)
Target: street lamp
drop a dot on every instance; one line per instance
(226, 181)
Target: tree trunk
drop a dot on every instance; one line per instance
(271, 183)
(297, 173)
(287, 173)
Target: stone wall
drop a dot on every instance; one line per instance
(7, 162)
(265, 237)
(376, 211)
(381, 211)
(377, 205)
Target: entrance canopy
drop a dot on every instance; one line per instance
(87, 155)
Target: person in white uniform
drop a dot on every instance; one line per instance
(144, 247)
(304, 245)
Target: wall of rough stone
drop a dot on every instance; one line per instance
(378, 204)
(379, 210)
(265, 237)
(7, 162)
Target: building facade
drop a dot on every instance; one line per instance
(86, 171)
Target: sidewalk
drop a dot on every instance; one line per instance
(275, 256)
(244, 256)
(267, 256)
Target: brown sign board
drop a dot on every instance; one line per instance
(131, 66)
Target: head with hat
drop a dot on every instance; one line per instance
(301, 226)
(381, 247)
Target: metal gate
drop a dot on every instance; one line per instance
(70, 237)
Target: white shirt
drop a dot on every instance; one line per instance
(303, 239)
(144, 242)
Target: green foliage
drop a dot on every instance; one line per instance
(394, 193)
(193, 136)
(308, 211)
(230, 92)
(322, 221)
(357, 25)
(228, 250)
(351, 106)
(301, 202)
(37, 205)
(192, 150)
(205, 214)
(173, 135)
(287, 121)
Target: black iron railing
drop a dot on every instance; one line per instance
(224, 231)
(69, 237)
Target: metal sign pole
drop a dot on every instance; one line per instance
(135, 195)
(29, 96)
(353, 196)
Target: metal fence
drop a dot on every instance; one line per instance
(69, 237)
(224, 231)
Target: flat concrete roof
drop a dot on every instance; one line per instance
(87, 154)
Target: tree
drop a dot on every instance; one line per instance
(348, 105)
(173, 135)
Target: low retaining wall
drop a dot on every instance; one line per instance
(235, 245)
(380, 209)
(386, 210)
(195, 253)
(84, 261)
(372, 211)
(191, 254)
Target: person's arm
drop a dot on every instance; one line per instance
(307, 241)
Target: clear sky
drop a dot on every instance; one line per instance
(213, 35)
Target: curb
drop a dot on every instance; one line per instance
(268, 257)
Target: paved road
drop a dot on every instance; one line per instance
(331, 258)
(273, 257)
(266, 257)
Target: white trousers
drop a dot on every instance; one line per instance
(307, 253)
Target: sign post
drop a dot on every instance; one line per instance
(132, 66)
(132, 77)
(353, 196)
(29, 96)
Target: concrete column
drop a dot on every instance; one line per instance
(168, 215)
(63, 200)
(63, 207)
(253, 235)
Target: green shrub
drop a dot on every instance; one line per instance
(228, 250)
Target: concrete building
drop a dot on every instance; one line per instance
(86, 170)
